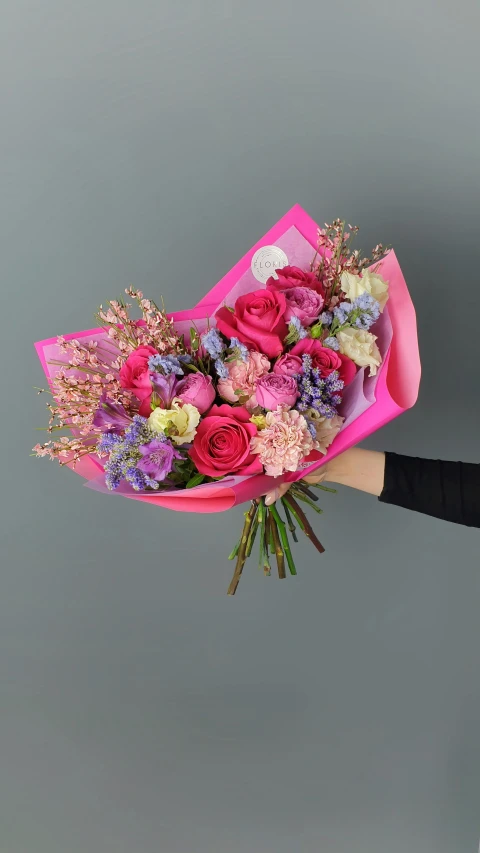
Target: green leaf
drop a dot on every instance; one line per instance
(196, 480)
(194, 340)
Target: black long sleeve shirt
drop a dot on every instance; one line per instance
(446, 490)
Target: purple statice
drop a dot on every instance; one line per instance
(317, 392)
(331, 343)
(296, 332)
(127, 453)
(342, 313)
(168, 364)
(366, 311)
(222, 370)
(213, 343)
(311, 428)
(239, 350)
(110, 416)
(326, 318)
(157, 458)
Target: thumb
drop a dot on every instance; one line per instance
(277, 493)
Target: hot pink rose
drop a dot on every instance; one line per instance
(222, 443)
(275, 390)
(135, 375)
(327, 360)
(304, 303)
(289, 277)
(243, 377)
(258, 320)
(288, 365)
(198, 390)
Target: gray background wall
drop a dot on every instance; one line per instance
(141, 710)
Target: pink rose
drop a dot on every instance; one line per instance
(222, 443)
(274, 390)
(288, 365)
(198, 390)
(135, 376)
(289, 277)
(327, 360)
(243, 377)
(304, 303)
(258, 320)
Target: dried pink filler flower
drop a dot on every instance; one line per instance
(283, 443)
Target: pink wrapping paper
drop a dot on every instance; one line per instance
(394, 390)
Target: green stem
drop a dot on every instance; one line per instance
(306, 490)
(253, 532)
(300, 496)
(304, 523)
(262, 520)
(279, 552)
(323, 488)
(235, 550)
(291, 526)
(242, 552)
(284, 539)
(271, 539)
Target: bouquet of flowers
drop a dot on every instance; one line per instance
(302, 350)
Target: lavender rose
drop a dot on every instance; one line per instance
(303, 303)
(274, 390)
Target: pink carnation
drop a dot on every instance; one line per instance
(243, 377)
(283, 443)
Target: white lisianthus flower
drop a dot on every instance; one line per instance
(361, 347)
(370, 282)
(179, 423)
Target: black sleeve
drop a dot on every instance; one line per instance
(446, 490)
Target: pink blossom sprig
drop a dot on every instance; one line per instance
(334, 257)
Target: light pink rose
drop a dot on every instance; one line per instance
(275, 390)
(198, 390)
(303, 303)
(243, 377)
(288, 365)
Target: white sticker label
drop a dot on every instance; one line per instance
(266, 261)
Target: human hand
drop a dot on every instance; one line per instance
(312, 479)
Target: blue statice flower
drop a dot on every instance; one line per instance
(318, 392)
(366, 310)
(342, 312)
(331, 343)
(296, 331)
(128, 454)
(326, 318)
(241, 349)
(222, 371)
(213, 343)
(168, 364)
(311, 428)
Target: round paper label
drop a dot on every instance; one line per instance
(266, 261)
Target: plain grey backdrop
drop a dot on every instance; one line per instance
(141, 710)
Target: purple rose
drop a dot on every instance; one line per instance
(303, 303)
(275, 390)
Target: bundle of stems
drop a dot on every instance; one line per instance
(267, 525)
